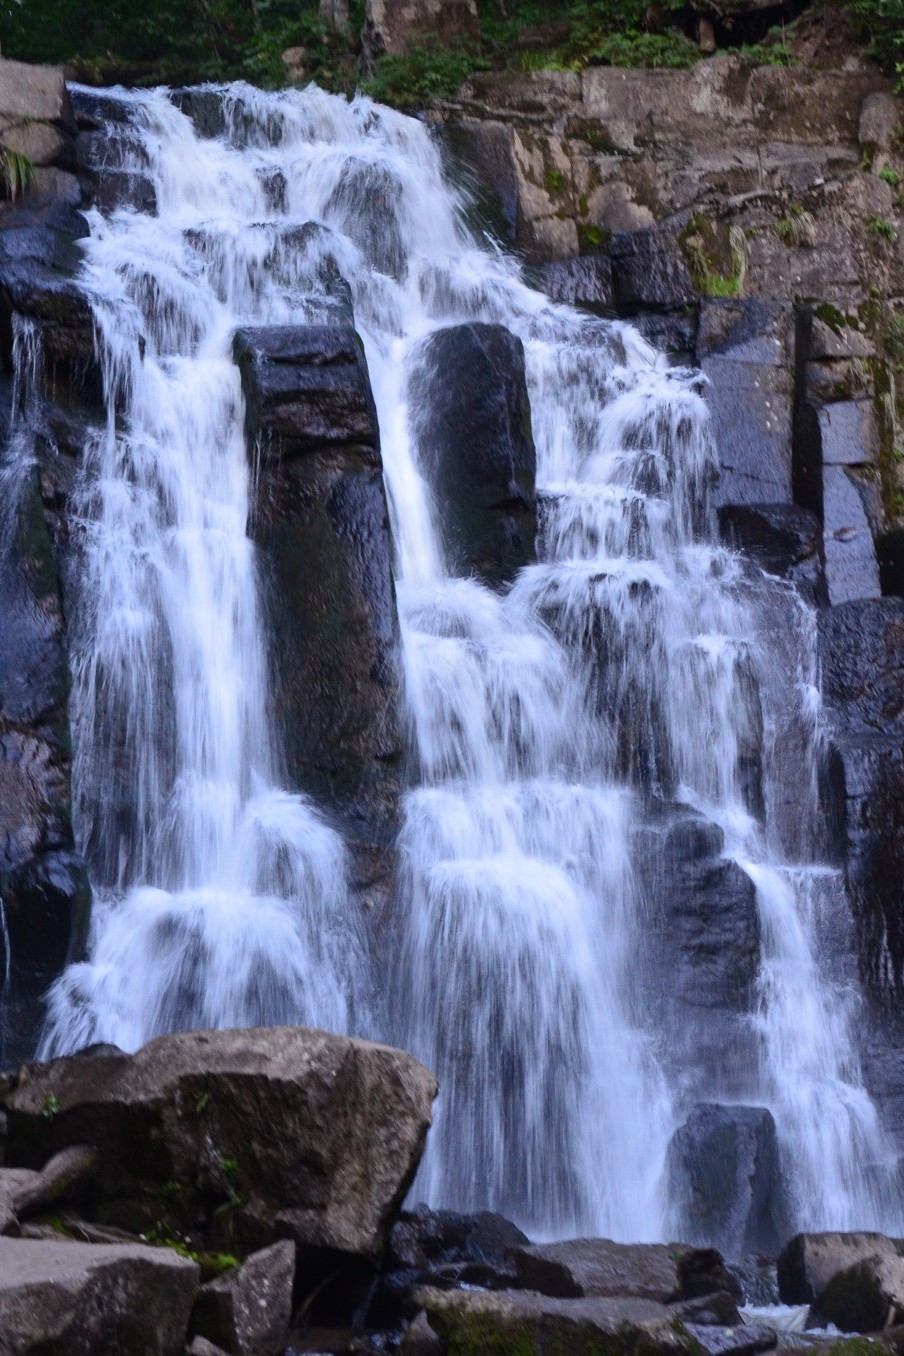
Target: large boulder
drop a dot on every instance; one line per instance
(471, 421)
(598, 1268)
(321, 524)
(725, 1179)
(236, 1138)
(807, 1264)
(866, 1297)
(86, 1299)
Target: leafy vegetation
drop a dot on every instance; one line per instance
(181, 41)
(171, 41)
(429, 72)
(17, 173)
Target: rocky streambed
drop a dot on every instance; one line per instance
(241, 1192)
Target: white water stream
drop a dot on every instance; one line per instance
(620, 669)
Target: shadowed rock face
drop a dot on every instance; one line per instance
(862, 656)
(321, 523)
(43, 883)
(724, 1172)
(471, 419)
(294, 1133)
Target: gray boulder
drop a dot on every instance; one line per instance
(86, 1299)
(808, 1262)
(473, 431)
(234, 1139)
(725, 1179)
(866, 1297)
(596, 1267)
(247, 1311)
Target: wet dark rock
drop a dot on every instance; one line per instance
(483, 148)
(205, 109)
(649, 272)
(112, 166)
(862, 656)
(424, 1238)
(321, 523)
(43, 883)
(704, 948)
(306, 388)
(673, 333)
(78, 1299)
(199, 1109)
(725, 1179)
(110, 189)
(39, 258)
(94, 108)
(807, 1264)
(247, 1311)
(782, 539)
(861, 652)
(364, 206)
(445, 1250)
(585, 282)
(890, 553)
(472, 425)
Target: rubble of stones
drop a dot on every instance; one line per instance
(240, 1192)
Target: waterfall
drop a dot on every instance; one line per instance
(624, 675)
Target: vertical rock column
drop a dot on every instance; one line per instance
(321, 523)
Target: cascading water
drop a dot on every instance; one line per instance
(621, 673)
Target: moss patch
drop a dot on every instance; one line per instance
(716, 255)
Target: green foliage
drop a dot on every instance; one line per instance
(774, 53)
(894, 339)
(880, 25)
(881, 227)
(889, 176)
(716, 256)
(670, 50)
(796, 227)
(212, 1264)
(50, 1105)
(17, 173)
(171, 41)
(428, 72)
